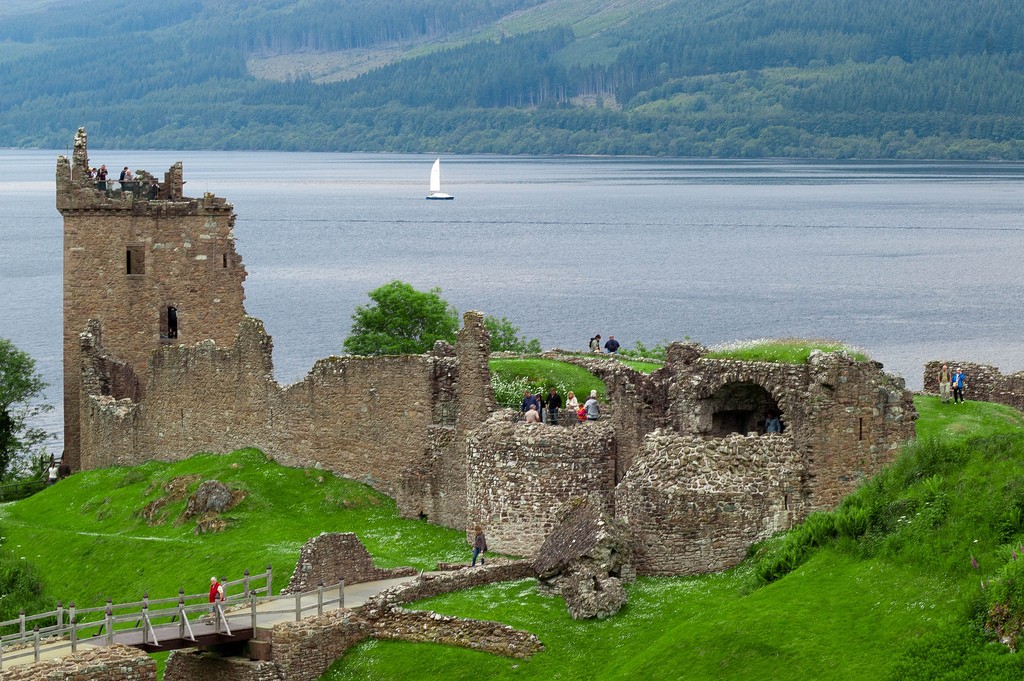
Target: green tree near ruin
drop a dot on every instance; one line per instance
(404, 321)
(401, 321)
(20, 388)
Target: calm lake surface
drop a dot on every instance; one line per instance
(911, 261)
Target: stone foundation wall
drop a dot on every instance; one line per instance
(695, 505)
(194, 665)
(430, 627)
(985, 382)
(114, 663)
(331, 556)
(520, 474)
(428, 586)
(302, 651)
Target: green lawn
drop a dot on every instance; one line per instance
(786, 350)
(87, 541)
(840, 618)
(510, 377)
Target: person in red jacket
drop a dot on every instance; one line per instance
(216, 593)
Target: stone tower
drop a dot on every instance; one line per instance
(149, 265)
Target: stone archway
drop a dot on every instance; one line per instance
(738, 407)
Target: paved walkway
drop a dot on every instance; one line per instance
(239, 619)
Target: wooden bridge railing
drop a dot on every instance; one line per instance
(98, 625)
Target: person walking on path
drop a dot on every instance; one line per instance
(479, 545)
(959, 382)
(216, 594)
(945, 380)
(593, 407)
(52, 473)
(554, 403)
(612, 345)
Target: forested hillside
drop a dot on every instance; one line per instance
(730, 78)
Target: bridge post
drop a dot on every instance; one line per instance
(298, 606)
(35, 642)
(341, 593)
(21, 623)
(252, 611)
(1, 654)
(74, 631)
(270, 575)
(145, 614)
(320, 599)
(246, 593)
(109, 622)
(60, 618)
(181, 612)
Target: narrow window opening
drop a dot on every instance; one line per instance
(224, 260)
(860, 434)
(135, 260)
(785, 502)
(168, 323)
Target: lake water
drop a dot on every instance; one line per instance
(911, 261)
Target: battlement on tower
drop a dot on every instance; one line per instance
(147, 264)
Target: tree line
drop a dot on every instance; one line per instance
(876, 79)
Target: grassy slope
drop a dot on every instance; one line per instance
(689, 628)
(899, 603)
(86, 540)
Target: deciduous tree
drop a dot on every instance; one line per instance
(20, 389)
(401, 321)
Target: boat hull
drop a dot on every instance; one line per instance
(439, 196)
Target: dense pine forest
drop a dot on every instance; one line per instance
(725, 78)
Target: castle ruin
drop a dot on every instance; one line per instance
(161, 362)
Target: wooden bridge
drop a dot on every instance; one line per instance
(185, 621)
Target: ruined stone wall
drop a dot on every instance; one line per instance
(520, 474)
(984, 382)
(846, 418)
(302, 651)
(127, 259)
(365, 418)
(695, 505)
(194, 665)
(331, 556)
(857, 416)
(113, 663)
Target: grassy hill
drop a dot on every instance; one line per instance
(884, 587)
(727, 78)
(87, 538)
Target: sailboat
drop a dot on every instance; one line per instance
(435, 184)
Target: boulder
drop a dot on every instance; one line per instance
(212, 496)
(586, 559)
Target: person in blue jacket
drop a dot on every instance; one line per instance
(959, 382)
(611, 345)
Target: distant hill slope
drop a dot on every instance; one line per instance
(731, 78)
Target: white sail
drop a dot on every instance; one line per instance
(435, 183)
(435, 176)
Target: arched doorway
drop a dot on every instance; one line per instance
(738, 408)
